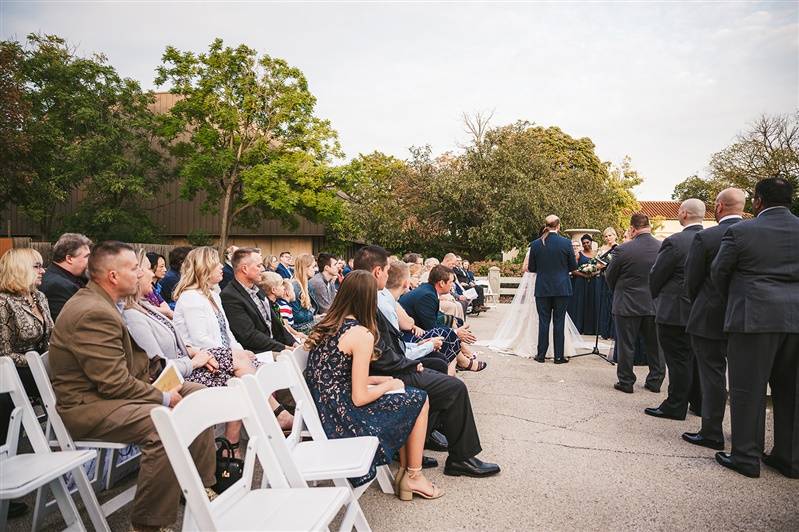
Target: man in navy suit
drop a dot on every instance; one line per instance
(285, 266)
(552, 260)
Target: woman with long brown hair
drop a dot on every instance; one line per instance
(353, 403)
(302, 307)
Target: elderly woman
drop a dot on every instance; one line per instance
(25, 325)
(274, 287)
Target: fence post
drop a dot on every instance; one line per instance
(493, 280)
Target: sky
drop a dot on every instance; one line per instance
(667, 83)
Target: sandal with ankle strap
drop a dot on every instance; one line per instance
(471, 367)
(405, 493)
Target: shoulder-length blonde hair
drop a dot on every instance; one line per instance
(196, 272)
(302, 266)
(17, 275)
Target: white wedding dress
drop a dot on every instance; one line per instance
(517, 334)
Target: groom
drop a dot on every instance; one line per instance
(551, 259)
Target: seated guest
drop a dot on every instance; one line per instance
(450, 406)
(286, 265)
(284, 303)
(340, 265)
(270, 263)
(353, 403)
(302, 307)
(227, 268)
(172, 276)
(67, 272)
(422, 306)
(102, 384)
(248, 311)
(274, 287)
(158, 267)
(200, 319)
(25, 325)
(346, 267)
(429, 264)
(412, 258)
(467, 282)
(322, 286)
(414, 271)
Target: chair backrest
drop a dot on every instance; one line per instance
(178, 427)
(299, 360)
(40, 369)
(10, 384)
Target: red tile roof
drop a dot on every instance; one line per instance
(666, 209)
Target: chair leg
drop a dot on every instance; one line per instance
(90, 500)
(354, 515)
(386, 479)
(4, 514)
(67, 506)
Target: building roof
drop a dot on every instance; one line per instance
(666, 209)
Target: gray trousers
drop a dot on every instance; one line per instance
(711, 358)
(628, 329)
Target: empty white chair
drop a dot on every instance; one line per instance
(24, 473)
(40, 369)
(240, 507)
(310, 416)
(336, 459)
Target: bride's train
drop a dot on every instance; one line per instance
(517, 334)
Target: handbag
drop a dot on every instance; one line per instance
(229, 469)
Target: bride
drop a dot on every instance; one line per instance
(517, 334)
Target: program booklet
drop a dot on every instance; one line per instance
(169, 379)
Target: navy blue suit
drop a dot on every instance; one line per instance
(285, 273)
(421, 304)
(551, 260)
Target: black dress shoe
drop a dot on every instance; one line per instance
(539, 359)
(657, 412)
(561, 360)
(652, 388)
(626, 388)
(437, 442)
(473, 467)
(729, 462)
(17, 509)
(779, 465)
(429, 462)
(698, 439)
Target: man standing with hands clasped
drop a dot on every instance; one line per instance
(552, 260)
(757, 272)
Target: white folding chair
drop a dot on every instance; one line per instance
(240, 507)
(299, 360)
(40, 369)
(24, 473)
(336, 460)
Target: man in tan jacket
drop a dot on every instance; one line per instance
(102, 384)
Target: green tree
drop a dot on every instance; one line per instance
(696, 187)
(244, 133)
(85, 128)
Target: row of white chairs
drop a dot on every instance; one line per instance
(283, 502)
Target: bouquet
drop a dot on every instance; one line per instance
(591, 268)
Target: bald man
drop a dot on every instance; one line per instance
(672, 307)
(706, 319)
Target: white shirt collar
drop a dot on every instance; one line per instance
(730, 217)
(691, 225)
(771, 209)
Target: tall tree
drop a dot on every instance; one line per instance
(244, 133)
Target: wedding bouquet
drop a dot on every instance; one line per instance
(590, 269)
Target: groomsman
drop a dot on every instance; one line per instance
(628, 276)
(757, 270)
(672, 306)
(706, 320)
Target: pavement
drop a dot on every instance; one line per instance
(575, 455)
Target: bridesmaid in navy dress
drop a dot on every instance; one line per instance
(353, 403)
(576, 302)
(606, 325)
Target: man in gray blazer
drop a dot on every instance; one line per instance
(757, 271)
(667, 286)
(706, 319)
(628, 276)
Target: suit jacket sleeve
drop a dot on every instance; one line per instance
(662, 270)
(571, 259)
(427, 312)
(614, 269)
(98, 338)
(725, 263)
(531, 261)
(243, 328)
(695, 268)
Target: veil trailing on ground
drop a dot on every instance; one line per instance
(517, 334)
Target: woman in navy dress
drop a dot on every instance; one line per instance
(606, 325)
(353, 403)
(576, 303)
(590, 287)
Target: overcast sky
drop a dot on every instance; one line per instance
(667, 83)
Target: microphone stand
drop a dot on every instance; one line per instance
(595, 350)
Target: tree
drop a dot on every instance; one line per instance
(84, 127)
(14, 112)
(696, 187)
(244, 133)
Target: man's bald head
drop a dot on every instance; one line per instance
(730, 202)
(692, 211)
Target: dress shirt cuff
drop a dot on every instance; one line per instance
(167, 398)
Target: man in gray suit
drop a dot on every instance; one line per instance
(628, 276)
(667, 286)
(706, 319)
(757, 271)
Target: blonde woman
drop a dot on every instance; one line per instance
(272, 285)
(611, 238)
(415, 270)
(302, 307)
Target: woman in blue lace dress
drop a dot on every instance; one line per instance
(352, 403)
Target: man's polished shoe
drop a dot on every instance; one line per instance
(473, 467)
(652, 388)
(779, 465)
(437, 442)
(626, 388)
(698, 439)
(563, 360)
(657, 412)
(729, 462)
(539, 359)
(429, 462)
